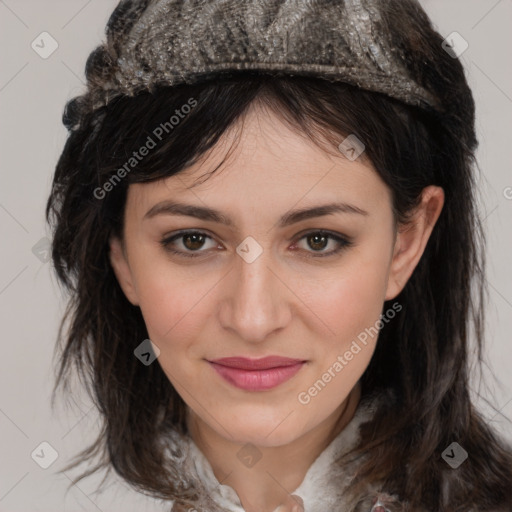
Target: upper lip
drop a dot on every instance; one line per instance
(263, 363)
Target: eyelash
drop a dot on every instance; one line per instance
(343, 241)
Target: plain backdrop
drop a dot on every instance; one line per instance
(33, 91)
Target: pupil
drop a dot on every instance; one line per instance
(195, 238)
(317, 237)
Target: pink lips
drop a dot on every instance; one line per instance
(257, 374)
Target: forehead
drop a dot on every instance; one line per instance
(266, 163)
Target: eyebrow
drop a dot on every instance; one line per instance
(210, 214)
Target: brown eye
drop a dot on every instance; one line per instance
(319, 240)
(192, 241)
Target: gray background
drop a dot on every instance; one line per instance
(33, 92)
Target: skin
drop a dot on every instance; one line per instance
(283, 303)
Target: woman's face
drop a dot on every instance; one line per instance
(267, 283)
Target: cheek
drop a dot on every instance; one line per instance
(172, 301)
(352, 302)
(351, 308)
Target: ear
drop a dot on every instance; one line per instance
(412, 239)
(122, 270)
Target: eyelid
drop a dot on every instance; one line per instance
(344, 241)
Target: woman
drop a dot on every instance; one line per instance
(292, 330)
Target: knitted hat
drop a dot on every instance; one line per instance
(387, 46)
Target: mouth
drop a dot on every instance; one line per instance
(256, 374)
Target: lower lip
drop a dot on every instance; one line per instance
(257, 380)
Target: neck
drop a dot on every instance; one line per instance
(281, 469)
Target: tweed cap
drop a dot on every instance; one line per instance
(385, 46)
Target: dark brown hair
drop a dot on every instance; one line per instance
(423, 355)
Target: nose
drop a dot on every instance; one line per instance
(256, 299)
